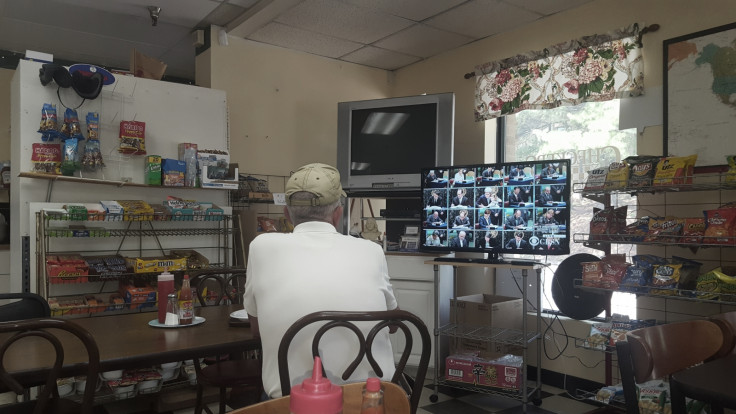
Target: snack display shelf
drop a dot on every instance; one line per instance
(117, 183)
(486, 333)
(75, 233)
(679, 294)
(696, 182)
(590, 241)
(583, 343)
(56, 215)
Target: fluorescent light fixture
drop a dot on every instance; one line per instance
(384, 123)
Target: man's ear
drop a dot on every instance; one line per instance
(337, 216)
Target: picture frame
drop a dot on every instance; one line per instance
(697, 119)
(411, 230)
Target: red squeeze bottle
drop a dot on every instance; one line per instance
(316, 395)
(164, 285)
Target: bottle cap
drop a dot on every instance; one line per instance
(373, 384)
(166, 275)
(316, 395)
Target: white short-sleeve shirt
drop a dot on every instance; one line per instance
(315, 268)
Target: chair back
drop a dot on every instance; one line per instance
(384, 320)
(23, 306)
(218, 286)
(727, 323)
(658, 351)
(43, 328)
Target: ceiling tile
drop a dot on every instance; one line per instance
(482, 18)
(222, 15)
(416, 10)
(423, 41)
(298, 39)
(380, 58)
(342, 20)
(546, 7)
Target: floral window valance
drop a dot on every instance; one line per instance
(593, 68)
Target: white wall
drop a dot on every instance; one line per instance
(173, 113)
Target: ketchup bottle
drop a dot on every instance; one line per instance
(316, 395)
(165, 285)
(186, 307)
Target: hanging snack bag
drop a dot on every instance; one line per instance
(719, 226)
(132, 137)
(731, 173)
(608, 223)
(70, 128)
(665, 279)
(641, 170)
(693, 230)
(596, 179)
(727, 283)
(617, 175)
(46, 158)
(708, 285)
(636, 231)
(688, 273)
(592, 273)
(673, 171)
(49, 123)
(636, 280)
(70, 156)
(92, 157)
(612, 272)
(671, 229)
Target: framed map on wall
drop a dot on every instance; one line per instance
(700, 95)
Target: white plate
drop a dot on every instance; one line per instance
(197, 320)
(240, 314)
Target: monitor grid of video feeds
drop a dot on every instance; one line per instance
(513, 208)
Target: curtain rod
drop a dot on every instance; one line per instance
(642, 32)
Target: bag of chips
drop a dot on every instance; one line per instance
(636, 280)
(132, 137)
(636, 231)
(719, 226)
(688, 274)
(693, 230)
(641, 170)
(596, 179)
(731, 173)
(592, 273)
(665, 279)
(612, 272)
(708, 285)
(49, 123)
(608, 223)
(673, 171)
(617, 175)
(46, 158)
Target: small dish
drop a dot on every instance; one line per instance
(240, 314)
(197, 320)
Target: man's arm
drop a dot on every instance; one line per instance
(254, 326)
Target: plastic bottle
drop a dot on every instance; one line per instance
(186, 307)
(172, 310)
(372, 397)
(164, 285)
(316, 395)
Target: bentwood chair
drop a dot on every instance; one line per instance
(727, 323)
(658, 351)
(23, 306)
(214, 288)
(383, 320)
(394, 401)
(48, 401)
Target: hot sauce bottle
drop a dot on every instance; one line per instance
(186, 307)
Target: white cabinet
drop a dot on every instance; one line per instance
(413, 283)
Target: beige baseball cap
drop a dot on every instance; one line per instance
(322, 180)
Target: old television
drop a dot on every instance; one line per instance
(383, 143)
(500, 209)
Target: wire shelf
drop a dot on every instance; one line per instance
(698, 182)
(680, 294)
(485, 333)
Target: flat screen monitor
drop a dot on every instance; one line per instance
(500, 208)
(382, 143)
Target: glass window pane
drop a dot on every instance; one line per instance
(588, 135)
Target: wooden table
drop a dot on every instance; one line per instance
(395, 401)
(711, 382)
(127, 341)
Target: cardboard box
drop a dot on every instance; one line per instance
(153, 170)
(147, 67)
(487, 310)
(483, 349)
(230, 181)
(482, 372)
(138, 296)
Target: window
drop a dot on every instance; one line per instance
(588, 135)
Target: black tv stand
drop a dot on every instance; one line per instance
(492, 260)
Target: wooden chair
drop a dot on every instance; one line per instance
(222, 371)
(383, 319)
(28, 305)
(658, 351)
(727, 323)
(48, 400)
(394, 401)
